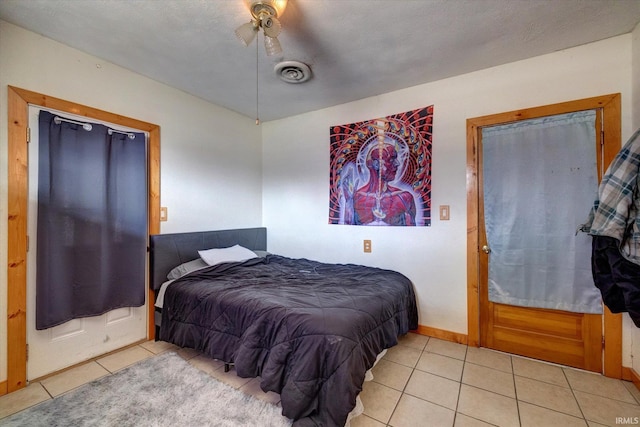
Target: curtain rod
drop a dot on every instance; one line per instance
(87, 126)
(129, 134)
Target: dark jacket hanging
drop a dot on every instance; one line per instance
(614, 223)
(92, 221)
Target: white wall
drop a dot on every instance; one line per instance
(210, 157)
(635, 76)
(296, 169)
(634, 332)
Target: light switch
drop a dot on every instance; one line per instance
(163, 214)
(444, 212)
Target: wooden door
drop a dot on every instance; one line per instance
(567, 338)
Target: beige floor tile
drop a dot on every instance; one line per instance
(540, 371)
(365, 421)
(434, 389)
(606, 411)
(206, 364)
(379, 401)
(406, 356)
(489, 379)
(489, 407)
(188, 353)
(632, 389)
(466, 421)
(253, 388)
(594, 424)
(547, 395)
(157, 347)
(535, 416)
(413, 340)
(74, 377)
(489, 358)
(230, 378)
(414, 412)
(438, 364)
(127, 357)
(446, 348)
(598, 384)
(391, 374)
(22, 399)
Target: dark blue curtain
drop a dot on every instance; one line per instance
(92, 221)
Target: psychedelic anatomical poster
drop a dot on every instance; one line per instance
(380, 170)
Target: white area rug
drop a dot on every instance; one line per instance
(164, 390)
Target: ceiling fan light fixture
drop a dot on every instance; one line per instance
(280, 6)
(265, 15)
(247, 32)
(272, 45)
(270, 25)
(270, 7)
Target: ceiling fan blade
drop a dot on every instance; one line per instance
(247, 32)
(270, 25)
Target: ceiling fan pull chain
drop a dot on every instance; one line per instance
(257, 89)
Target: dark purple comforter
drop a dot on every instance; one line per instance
(309, 330)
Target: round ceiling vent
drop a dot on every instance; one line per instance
(293, 71)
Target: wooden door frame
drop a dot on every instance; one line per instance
(18, 169)
(611, 108)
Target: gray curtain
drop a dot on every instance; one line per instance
(539, 177)
(92, 221)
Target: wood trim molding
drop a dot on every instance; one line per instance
(629, 374)
(473, 262)
(612, 322)
(442, 334)
(18, 121)
(611, 107)
(16, 236)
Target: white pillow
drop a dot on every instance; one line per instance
(235, 253)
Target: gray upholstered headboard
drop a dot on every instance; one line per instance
(170, 250)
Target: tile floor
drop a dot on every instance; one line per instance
(421, 382)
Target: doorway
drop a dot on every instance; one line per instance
(552, 335)
(77, 340)
(18, 121)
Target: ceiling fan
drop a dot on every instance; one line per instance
(264, 15)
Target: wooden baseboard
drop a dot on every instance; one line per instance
(3, 388)
(442, 334)
(630, 375)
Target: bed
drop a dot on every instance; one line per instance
(309, 330)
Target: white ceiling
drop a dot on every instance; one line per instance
(355, 48)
